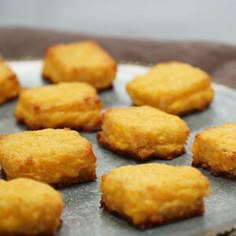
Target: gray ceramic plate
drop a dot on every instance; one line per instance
(82, 215)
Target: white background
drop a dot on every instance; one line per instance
(159, 19)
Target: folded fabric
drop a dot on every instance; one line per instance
(218, 59)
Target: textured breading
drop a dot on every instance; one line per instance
(55, 156)
(177, 88)
(9, 85)
(80, 61)
(143, 132)
(154, 194)
(73, 105)
(215, 149)
(28, 207)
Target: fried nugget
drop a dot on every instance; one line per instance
(177, 88)
(215, 149)
(73, 105)
(80, 61)
(28, 207)
(9, 85)
(154, 194)
(58, 157)
(143, 132)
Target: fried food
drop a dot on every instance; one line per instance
(73, 105)
(143, 132)
(80, 61)
(215, 149)
(58, 157)
(154, 194)
(28, 207)
(177, 88)
(9, 85)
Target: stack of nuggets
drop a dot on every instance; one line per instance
(146, 195)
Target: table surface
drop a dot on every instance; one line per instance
(82, 215)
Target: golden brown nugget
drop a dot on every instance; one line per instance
(9, 85)
(58, 157)
(215, 149)
(73, 105)
(28, 207)
(80, 61)
(143, 132)
(177, 88)
(154, 194)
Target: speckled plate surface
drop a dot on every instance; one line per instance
(82, 215)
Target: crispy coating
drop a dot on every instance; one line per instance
(56, 156)
(215, 149)
(143, 132)
(74, 105)
(9, 85)
(154, 194)
(80, 61)
(177, 88)
(28, 207)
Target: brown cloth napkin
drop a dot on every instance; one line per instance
(218, 59)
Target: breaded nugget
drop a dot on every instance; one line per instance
(174, 87)
(80, 61)
(9, 85)
(28, 207)
(143, 132)
(73, 105)
(59, 157)
(215, 149)
(154, 194)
